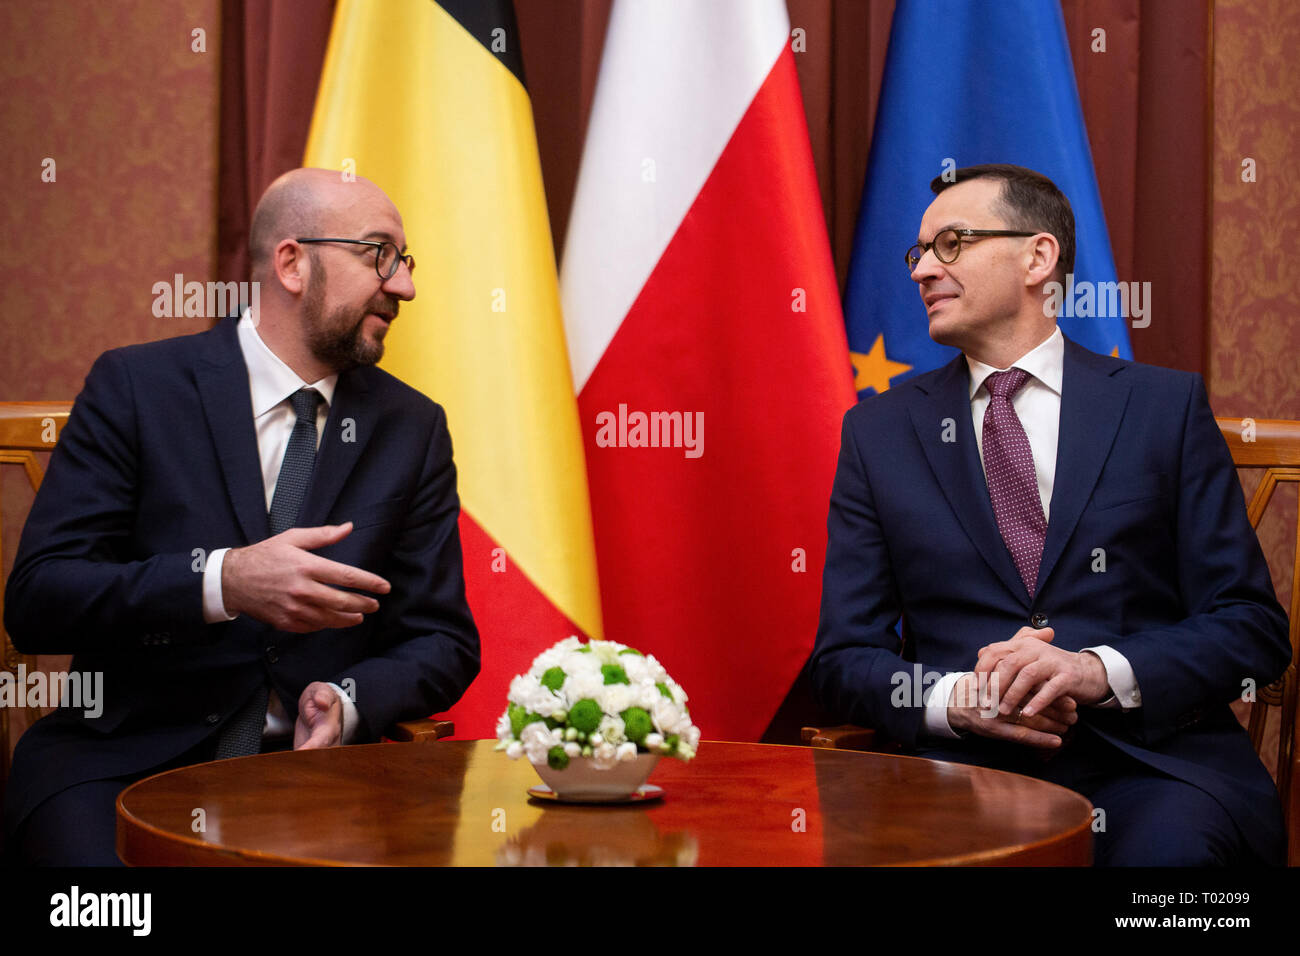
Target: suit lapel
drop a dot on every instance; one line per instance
(223, 387)
(349, 428)
(957, 468)
(1093, 400)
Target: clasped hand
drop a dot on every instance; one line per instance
(1027, 667)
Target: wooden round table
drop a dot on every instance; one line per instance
(460, 803)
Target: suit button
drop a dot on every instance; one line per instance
(212, 718)
(1039, 619)
(272, 653)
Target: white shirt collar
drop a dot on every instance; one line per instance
(269, 379)
(1045, 363)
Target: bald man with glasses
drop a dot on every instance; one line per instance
(250, 532)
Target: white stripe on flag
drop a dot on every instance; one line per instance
(675, 80)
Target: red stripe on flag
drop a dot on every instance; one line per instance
(698, 556)
(516, 622)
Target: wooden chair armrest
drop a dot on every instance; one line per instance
(423, 731)
(844, 737)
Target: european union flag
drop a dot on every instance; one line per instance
(964, 84)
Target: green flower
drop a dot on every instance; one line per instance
(553, 679)
(636, 724)
(614, 674)
(556, 758)
(585, 715)
(517, 721)
(530, 717)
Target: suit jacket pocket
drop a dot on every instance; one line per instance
(1121, 490)
(376, 513)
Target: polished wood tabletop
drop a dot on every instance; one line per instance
(460, 803)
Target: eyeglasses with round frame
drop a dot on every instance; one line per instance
(947, 244)
(387, 255)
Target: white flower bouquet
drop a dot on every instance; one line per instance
(600, 700)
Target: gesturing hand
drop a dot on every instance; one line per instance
(320, 718)
(1028, 663)
(280, 582)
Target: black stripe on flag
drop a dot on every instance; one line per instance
(492, 23)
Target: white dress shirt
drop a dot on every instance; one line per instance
(271, 383)
(1038, 406)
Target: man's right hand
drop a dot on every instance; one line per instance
(280, 582)
(973, 709)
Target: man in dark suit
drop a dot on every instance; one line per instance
(250, 532)
(1064, 538)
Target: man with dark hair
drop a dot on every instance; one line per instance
(250, 532)
(1028, 201)
(1064, 538)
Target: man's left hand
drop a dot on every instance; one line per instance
(320, 718)
(1029, 660)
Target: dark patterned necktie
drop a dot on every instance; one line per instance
(1013, 486)
(299, 459)
(243, 734)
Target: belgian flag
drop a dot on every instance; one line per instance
(428, 100)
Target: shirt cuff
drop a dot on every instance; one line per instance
(936, 707)
(1119, 674)
(350, 720)
(214, 609)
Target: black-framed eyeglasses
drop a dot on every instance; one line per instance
(387, 255)
(947, 244)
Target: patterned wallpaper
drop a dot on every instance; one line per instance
(1255, 332)
(1256, 300)
(127, 111)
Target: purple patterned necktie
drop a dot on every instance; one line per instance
(1013, 486)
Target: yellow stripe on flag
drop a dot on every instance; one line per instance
(428, 114)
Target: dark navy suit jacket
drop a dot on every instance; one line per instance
(159, 458)
(1145, 482)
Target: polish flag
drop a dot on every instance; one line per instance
(699, 294)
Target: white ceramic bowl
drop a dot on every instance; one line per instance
(581, 781)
